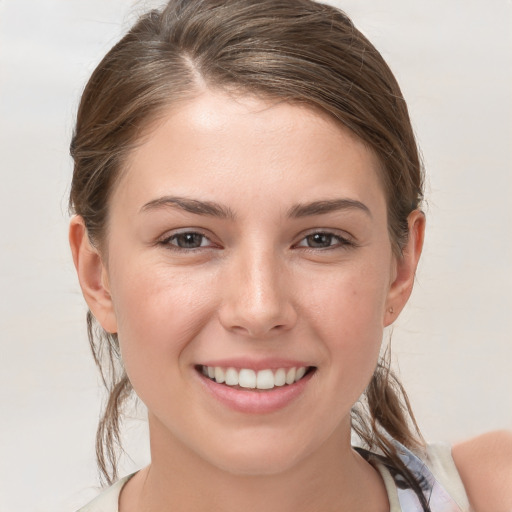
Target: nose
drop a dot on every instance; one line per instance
(258, 297)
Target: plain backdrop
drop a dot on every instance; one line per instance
(453, 344)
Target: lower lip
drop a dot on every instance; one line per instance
(256, 401)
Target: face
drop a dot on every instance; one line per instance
(248, 241)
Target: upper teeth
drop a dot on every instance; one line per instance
(247, 378)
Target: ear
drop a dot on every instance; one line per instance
(405, 268)
(92, 275)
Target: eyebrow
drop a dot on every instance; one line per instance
(190, 205)
(213, 209)
(327, 206)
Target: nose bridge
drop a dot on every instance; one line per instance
(257, 300)
(262, 284)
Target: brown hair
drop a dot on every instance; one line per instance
(294, 50)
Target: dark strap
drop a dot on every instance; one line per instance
(435, 495)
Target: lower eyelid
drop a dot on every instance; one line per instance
(169, 239)
(340, 241)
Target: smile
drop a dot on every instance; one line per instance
(250, 379)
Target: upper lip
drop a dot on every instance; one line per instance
(255, 364)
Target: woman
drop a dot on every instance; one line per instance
(247, 191)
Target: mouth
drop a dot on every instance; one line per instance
(249, 379)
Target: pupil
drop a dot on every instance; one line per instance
(320, 240)
(189, 240)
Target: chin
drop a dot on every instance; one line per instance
(270, 457)
(258, 465)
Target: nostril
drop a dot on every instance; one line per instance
(257, 331)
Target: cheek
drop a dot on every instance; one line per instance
(347, 313)
(351, 299)
(158, 312)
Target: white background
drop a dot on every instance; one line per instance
(453, 59)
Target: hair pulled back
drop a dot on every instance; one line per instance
(292, 50)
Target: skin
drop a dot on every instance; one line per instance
(254, 288)
(485, 467)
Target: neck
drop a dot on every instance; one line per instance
(334, 478)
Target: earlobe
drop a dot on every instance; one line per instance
(405, 268)
(92, 275)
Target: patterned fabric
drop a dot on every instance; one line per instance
(431, 496)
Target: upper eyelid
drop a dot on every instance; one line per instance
(183, 231)
(339, 242)
(166, 241)
(340, 234)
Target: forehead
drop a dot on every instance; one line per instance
(223, 145)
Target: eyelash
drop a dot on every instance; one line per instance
(167, 241)
(341, 242)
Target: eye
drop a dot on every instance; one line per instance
(187, 240)
(323, 240)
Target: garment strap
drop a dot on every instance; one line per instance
(433, 494)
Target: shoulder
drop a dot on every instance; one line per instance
(108, 500)
(485, 467)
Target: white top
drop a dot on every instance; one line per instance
(440, 462)
(450, 498)
(108, 500)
